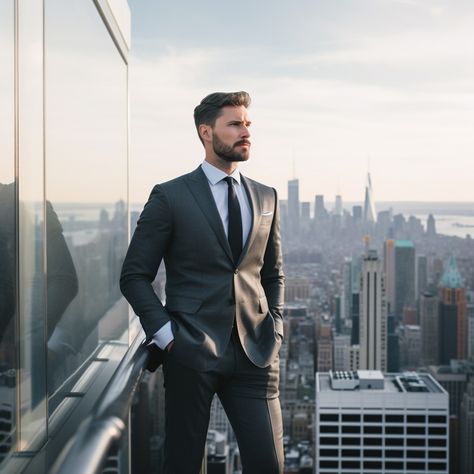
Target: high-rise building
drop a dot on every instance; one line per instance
(372, 314)
(430, 226)
(320, 212)
(429, 328)
(467, 429)
(389, 270)
(325, 348)
(342, 343)
(421, 275)
(470, 332)
(346, 300)
(370, 216)
(357, 213)
(338, 205)
(305, 211)
(293, 208)
(452, 339)
(410, 346)
(367, 422)
(404, 276)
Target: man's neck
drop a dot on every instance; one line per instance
(227, 167)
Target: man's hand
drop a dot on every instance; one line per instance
(169, 346)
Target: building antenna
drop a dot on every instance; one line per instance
(294, 161)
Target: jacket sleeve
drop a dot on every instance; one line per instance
(271, 274)
(145, 253)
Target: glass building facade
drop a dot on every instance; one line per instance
(64, 325)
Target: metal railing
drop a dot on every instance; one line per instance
(108, 420)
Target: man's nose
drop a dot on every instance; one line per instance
(246, 132)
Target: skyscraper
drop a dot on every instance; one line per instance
(320, 212)
(452, 315)
(404, 276)
(429, 328)
(389, 270)
(338, 205)
(370, 215)
(372, 314)
(293, 208)
(430, 226)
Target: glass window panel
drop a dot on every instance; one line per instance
(32, 380)
(86, 189)
(7, 233)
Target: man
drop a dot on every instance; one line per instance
(218, 233)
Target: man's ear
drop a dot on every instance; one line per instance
(205, 132)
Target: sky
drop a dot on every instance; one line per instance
(339, 88)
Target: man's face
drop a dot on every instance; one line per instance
(230, 134)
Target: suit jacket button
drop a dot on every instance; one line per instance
(236, 271)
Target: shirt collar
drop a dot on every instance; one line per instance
(214, 175)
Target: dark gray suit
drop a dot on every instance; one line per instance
(207, 294)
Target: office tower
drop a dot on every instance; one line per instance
(470, 332)
(346, 290)
(384, 221)
(342, 343)
(372, 314)
(320, 212)
(357, 213)
(431, 226)
(389, 270)
(452, 339)
(356, 267)
(370, 215)
(393, 349)
(293, 208)
(338, 205)
(337, 316)
(305, 211)
(415, 228)
(410, 346)
(421, 275)
(429, 328)
(367, 422)
(404, 276)
(467, 429)
(453, 378)
(325, 348)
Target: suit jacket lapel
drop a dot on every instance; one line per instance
(199, 187)
(254, 199)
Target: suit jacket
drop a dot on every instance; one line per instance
(206, 292)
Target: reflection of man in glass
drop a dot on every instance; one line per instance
(61, 284)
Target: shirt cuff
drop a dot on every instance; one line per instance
(163, 336)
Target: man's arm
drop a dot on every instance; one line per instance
(272, 277)
(144, 255)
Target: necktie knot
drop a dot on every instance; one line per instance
(229, 180)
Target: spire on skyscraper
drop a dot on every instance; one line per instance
(369, 206)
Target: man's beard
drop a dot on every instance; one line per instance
(228, 152)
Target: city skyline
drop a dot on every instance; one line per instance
(338, 90)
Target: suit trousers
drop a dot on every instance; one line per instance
(249, 395)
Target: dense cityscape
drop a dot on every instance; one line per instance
(377, 362)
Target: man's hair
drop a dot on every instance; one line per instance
(211, 106)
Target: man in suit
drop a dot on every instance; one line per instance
(221, 327)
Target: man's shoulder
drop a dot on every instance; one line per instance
(263, 188)
(176, 183)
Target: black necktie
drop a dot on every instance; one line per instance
(235, 221)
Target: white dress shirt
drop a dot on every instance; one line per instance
(219, 189)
